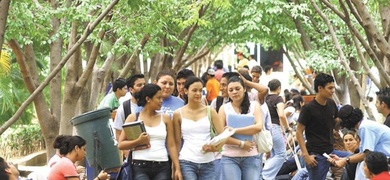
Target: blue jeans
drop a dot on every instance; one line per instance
(195, 171)
(151, 170)
(278, 154)
(319, 172)
(218, 171)
(241, 168)
(301, 174)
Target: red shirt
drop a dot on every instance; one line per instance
(382, 176)
(63, 169)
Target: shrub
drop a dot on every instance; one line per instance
(21, 140)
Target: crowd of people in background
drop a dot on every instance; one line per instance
(312, 139)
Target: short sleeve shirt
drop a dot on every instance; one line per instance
(63, 169)
(272, 101)
(319, 122)
(109, 101)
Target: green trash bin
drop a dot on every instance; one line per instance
(93, 126)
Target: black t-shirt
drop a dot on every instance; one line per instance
(272, 100)
(319, 123)
(387, 121)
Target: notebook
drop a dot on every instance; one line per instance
(238, 121)
(133, 130)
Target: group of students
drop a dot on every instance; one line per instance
(181, 137)
(178, 129)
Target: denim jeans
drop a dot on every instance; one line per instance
(197, 171)
(278, 154)
(319, 172)
(301, 174)
(151, 170)
(218, 171)
(241, 168)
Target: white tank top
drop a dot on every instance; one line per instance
(157, 150)
(195, 135)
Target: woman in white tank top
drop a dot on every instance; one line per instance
(191, 123)
(150, 162)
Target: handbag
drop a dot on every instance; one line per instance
(264, 141)
(213, 132)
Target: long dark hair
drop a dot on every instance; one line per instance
(69, 143)
(297, 99)
(149, 90)
(189, 81)
(245, 102)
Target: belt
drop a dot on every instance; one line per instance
(139, 162)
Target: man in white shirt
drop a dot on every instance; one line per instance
(135, 83)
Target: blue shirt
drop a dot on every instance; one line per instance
(170, 104)
(374, 137)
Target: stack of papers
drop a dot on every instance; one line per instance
(217, 140)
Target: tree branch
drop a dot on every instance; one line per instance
(343, 59)
(58, 68)
(369, 49)
(364, 62)
(298, 73)
(4, 7)
(371, 29)
(134, 57)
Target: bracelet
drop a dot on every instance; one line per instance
(242, 144)
(98, 178)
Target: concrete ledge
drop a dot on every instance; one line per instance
(34, 159)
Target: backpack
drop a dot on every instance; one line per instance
(127, 107)
(219, 103)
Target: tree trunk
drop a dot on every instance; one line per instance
(55, 83)
(131, 63)
(4, 6)
(305, 39)
(343, 61)
(52, 74)
(371, 29)
(98, 79)
(369, 46)
(341, 92)
(28, 70)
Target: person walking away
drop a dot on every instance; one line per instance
(279, 127)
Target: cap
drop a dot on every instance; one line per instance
(211, 72)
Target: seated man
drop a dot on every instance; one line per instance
(8, 171)
(376, 166)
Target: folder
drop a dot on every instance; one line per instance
(238, 121)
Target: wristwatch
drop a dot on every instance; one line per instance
(347, 159)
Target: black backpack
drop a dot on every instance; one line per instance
(127, 107)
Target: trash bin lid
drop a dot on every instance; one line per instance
(91, 115)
